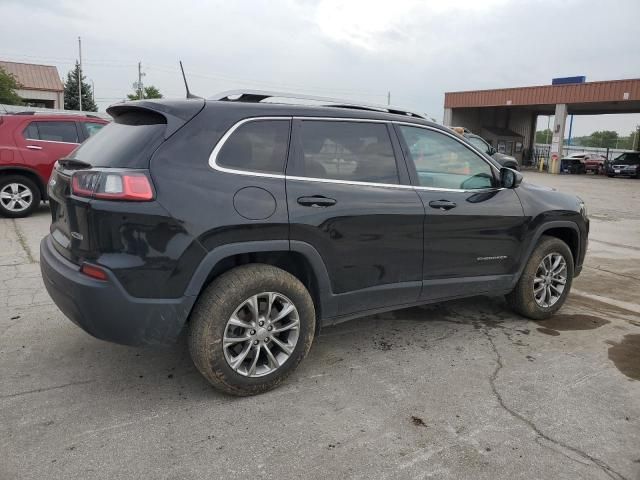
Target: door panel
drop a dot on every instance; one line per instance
(473, 228)
(368, 234)
(41, 154)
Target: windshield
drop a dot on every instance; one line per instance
(628, 159)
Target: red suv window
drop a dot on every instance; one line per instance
(54, 131)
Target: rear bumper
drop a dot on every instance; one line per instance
(104, 309)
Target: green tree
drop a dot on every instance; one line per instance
(148, 92)
(602, 138)
(8, 87)
(71, 92)
(544, 136)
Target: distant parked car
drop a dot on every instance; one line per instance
(30, 143)
(485, 147)
(627, 164)
(573, 164)
(594, 163)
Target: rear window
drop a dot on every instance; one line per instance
(127, 142)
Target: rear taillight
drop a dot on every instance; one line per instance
(112, 185)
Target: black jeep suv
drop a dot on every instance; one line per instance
(253, 223)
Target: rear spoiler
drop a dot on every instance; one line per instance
(176, 112)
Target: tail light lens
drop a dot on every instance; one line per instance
(94, 271)
(112, 185)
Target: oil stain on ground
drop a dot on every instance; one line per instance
(563, 323)
(625, 355)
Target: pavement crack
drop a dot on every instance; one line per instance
(610, 472)
(23, 242)
(46, 389)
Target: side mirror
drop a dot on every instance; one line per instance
(491, 150)
(510, 178)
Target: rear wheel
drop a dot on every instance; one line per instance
(250, 329)
(19, 196)
(545, 282)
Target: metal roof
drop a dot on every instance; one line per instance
(590, 92)
(34, 77)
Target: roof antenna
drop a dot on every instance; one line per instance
(186, 85)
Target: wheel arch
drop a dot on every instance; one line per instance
(30, 174)
(299, 259)
(566, 231)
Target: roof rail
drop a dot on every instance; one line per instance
(22, 110)
(257, 96)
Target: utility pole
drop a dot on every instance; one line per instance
(140, 75)
(80, 74)
(389, 98)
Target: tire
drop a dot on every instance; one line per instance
(523, 300)
(222, 299)
(27, 190)
(609, 175)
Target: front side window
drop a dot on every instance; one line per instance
(443, 162)
(257, 146)
(55, 131)
(347, 151)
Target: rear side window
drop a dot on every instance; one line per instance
(55, 131)
(349, 151)
(257, 146)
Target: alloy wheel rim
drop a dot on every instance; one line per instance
(261, 334)
(16, 197)
(550, 280)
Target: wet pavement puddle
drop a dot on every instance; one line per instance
(562, 323)
(625, 355)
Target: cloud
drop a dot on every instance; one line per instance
(416, 49)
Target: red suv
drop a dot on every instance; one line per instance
(30, 143)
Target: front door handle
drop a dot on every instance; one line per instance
(316, 201)
(34, 147)
(442, 204)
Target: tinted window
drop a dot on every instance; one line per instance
(353, 151)
(443, 162)
(31, 132)
(478, 143)
(121, 145)
(92, 128)
(57, 131)
(257, 146)
(628, 159)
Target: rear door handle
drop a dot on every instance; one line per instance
(442, 204)
(34, 147)
(316, 201)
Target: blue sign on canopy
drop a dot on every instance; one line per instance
(567, 80)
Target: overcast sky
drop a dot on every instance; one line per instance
(357, 49)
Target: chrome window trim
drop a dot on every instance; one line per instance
(216, 150)
(50, 141)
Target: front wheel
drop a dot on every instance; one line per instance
(250, 329)
(545, 282)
